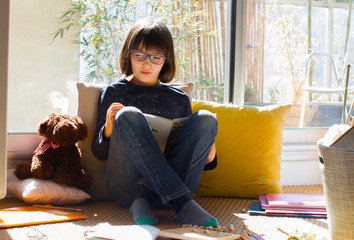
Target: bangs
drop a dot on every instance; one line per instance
(152, 38)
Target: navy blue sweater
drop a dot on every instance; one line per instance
(162, 100)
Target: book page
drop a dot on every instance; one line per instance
(346, 141)
(160, 129)
(197, 233)
(123, 232)
(164, 130)
(176, 127)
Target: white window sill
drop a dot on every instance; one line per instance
(300, 156)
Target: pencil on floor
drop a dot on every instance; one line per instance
(59, 208)
(246, 236)
(257, 237)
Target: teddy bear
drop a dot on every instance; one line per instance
(58, 157)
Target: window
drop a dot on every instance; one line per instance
(42, 73)
(279, 38)
(276, 40)
(275, 46)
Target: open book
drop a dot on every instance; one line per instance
(165, 130)
(146, 232)
(345, 141)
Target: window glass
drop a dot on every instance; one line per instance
(280, 35)
(280, 38)
(42, 73)
(198, 29)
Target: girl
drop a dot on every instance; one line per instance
(138, 173)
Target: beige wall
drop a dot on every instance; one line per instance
(41, 73)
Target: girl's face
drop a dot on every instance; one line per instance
(146, 71)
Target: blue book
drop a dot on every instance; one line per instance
(256, 209)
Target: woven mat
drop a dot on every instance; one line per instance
(229, 211)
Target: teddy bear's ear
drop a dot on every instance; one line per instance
(83, 130)
(43, 124)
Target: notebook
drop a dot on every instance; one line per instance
(256, 209)
(21, 216)
(291, 200)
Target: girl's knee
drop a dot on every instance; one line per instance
(129, 114)
(205, 118)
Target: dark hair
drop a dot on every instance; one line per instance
(151, 34)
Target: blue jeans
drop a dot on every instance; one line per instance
(135, 157)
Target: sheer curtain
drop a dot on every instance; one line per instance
(4, 40)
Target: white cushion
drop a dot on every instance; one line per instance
(87, 110)
(38, 191)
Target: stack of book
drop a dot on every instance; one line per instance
(290, 205)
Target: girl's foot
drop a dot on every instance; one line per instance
(192, 213)
(142, 213)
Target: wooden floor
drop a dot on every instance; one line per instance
(229, 211)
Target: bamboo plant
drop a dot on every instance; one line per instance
(103, 26)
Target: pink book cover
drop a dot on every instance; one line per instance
(295, 211)
(291, 200)
(264, 202)
(265, 206)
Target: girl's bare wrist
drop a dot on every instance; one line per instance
(107, 131)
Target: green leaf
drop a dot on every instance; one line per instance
(57, 33)
(67, 13)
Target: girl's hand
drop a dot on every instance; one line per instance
(110, 116)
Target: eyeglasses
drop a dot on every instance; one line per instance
(34, 234)
(154, 59)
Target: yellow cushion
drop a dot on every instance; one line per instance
(248, 146)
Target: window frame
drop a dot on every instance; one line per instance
(4, 52)
(299, 148)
